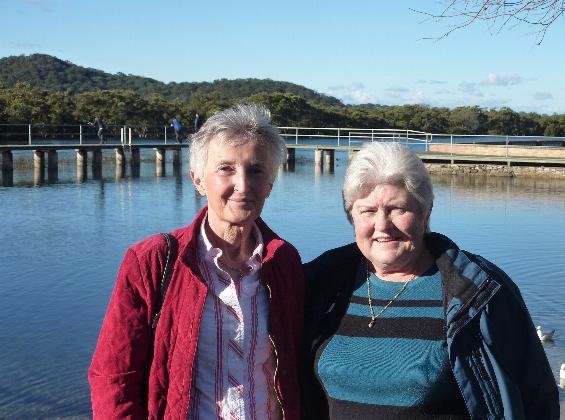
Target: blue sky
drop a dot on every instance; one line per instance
(359, 51)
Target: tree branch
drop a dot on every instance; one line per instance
(498, 14)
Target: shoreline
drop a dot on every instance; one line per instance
(490, 170)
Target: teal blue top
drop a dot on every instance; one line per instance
(399, 366)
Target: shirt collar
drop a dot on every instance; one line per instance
(211, 254)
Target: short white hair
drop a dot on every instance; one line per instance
(387, 163)
(240, 123)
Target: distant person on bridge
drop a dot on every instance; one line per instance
(177, 126)
(197, 122)
(101, 126)
(228, 337)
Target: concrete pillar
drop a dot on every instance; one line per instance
(97, 158)
(82, 162)
(39, 159)
(52, 165)
(7, 178)
(177, 154)
(38, 167)
(160, 162)
(290, 166)
(329, 160)
(120, 157)
(290, 155)
(318, 170)
(177, 172)
(120, 171)
(318, 155)
(135, 159)
(97, 164)
(120, 163)
(160, 155)
(7, 161)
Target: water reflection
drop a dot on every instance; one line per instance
(517, 223)
(483, 187)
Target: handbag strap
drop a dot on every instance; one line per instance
(167, 274)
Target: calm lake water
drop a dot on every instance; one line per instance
(61, 244)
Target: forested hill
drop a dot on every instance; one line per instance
(55, 75)
(42, 89)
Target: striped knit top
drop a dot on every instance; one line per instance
(399, 368)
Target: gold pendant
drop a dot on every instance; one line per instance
(371, 323)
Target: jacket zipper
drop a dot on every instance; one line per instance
(461, 392)
(276, 365)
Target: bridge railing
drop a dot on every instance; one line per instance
(32, 134)
(38, 134)
(352, 137)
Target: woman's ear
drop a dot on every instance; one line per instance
(198, 183)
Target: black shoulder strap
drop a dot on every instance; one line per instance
(167, 273)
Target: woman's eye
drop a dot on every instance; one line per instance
(256, 170)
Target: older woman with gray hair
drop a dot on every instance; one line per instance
(218, 333)
(404, 324)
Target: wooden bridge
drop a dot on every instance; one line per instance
(445, 153)
(45, 156)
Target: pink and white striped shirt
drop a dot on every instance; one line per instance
(235, 362)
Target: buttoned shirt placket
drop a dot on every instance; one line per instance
(233, 342)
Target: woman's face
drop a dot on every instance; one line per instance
(389, 228)
(236, 181)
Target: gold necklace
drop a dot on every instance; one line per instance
(373, 316)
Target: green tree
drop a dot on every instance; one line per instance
(26, 104)
(467, 120)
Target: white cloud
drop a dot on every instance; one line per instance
(494, 79)
(542, 96)
(397, 89)
(26, 45)
(470, 88)
(432, 82)
(353, 93)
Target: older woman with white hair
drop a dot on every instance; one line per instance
(404, 324)
(218, 336)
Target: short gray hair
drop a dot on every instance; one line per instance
(240, 123)
(387, 163)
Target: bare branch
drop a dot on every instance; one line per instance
(498, 14)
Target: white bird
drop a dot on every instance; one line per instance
(545, 337)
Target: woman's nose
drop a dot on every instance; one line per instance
(381, 221)
(241, 181)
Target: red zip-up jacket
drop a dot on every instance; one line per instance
(135, 375)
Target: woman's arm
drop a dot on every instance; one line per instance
(520, 351)
(118, 373)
